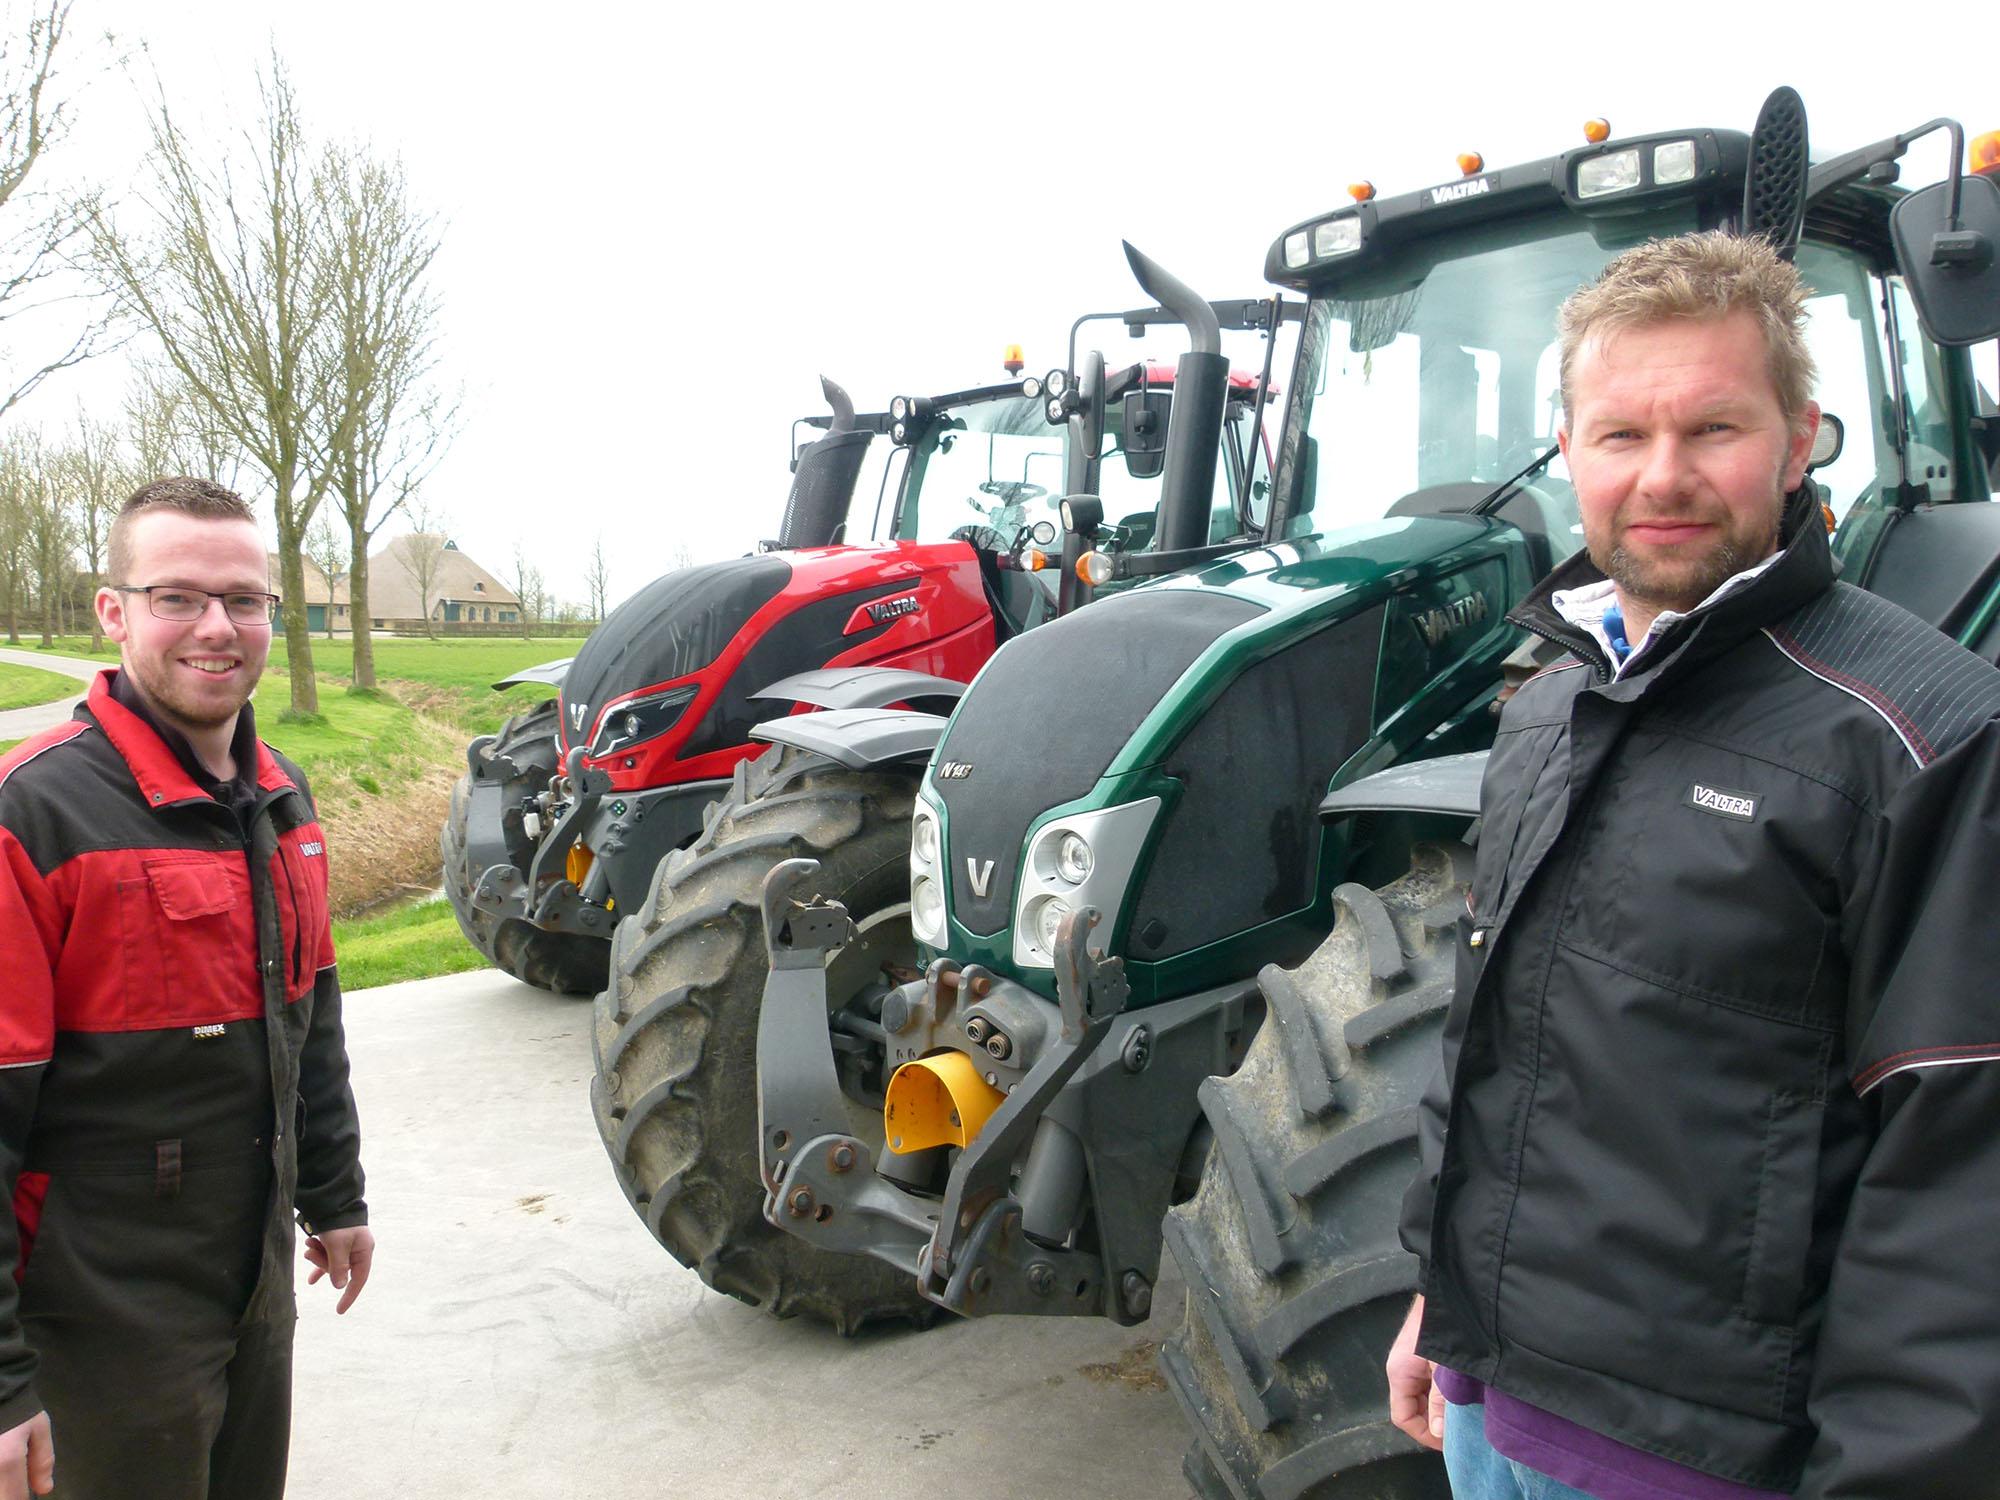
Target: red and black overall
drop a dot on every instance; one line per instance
(173, 1083)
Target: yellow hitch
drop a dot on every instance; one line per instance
(938, 1100)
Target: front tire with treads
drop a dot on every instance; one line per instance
(1296, 1280)
(675, 1033)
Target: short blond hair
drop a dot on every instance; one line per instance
(1698, 276)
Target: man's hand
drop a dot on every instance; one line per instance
(343, 1256)
(27, 1452)
(1414, 1402)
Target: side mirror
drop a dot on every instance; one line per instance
(1147, 414)
(1953, 271)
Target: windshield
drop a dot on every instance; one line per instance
(1426, 395)
(1423, 397)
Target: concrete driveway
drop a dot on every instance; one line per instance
(19, 723)
(524, 1335)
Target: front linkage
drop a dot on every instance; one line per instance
(1082, 1070)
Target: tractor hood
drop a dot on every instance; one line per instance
(675, 625)
(1237, 695)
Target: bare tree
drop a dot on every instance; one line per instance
(390, 426)
(232, 281)
(38, 231)
(529, 589)
(96, 480)
(326, 548)
(171, 433)
(50, 533)
(597, 578)
(16, 566)
(422, 554)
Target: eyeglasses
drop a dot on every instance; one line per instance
(169, 601)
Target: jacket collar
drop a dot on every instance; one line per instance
(1804, 570)
(163, 780)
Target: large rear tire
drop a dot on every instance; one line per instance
(1296, 1280)
(675, 1032)
(568, 963)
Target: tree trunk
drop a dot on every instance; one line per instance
(298, 635)
(357, 604)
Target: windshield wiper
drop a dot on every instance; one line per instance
(1507, 488)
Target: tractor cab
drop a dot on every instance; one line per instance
(991, 467)
(1428, 380)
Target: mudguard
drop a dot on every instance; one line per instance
(1448, 785)
(549, 673)
(858, 738)
(859, 687)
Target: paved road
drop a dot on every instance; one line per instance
(19, 723)
(524, 1335)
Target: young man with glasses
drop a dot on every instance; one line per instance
(173, 1074)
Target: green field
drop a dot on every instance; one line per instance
(23, 687)
(416, 941)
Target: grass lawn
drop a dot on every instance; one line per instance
(23, 687)
(416, 941)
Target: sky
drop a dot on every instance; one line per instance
(660, 225)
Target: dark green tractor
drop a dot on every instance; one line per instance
(1184, 867)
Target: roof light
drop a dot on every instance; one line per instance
(1597, 131)
(1297, 251)
(1056, 412)
(899, 408)
(1613, 172)
(1674, 162)
(1361, 191)
(1031, 387)
(1985, 152)
(1337, 236)
(1013, 363)
(1056, 382)
(1471, 163)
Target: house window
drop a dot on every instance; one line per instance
(478, 587)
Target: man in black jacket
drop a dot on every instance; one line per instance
(173, 1074)
(1710, 1170)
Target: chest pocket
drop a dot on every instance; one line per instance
(187, 934)
(298, 874)
(1714, 873)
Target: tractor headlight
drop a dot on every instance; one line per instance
(1613, 172)
(1048, 917)
(1298, 250)
(924, 840)
(1076, 860)
(1337, 236)
(899, 408)
(927, 911)
(1073, 858)
(1674, 162)
(1056, 382)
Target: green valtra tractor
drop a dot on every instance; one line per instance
(1183, 870)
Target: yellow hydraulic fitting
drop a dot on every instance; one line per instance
(940, 1100)
(577, 863)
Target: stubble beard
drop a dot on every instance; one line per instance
(1681, 585)
(182, 710)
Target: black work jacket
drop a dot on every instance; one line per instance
(1713, 1163)
(170, 1001)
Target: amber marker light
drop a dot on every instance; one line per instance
(1985, 152)
(1013, 364)
(1471, 163)
(1597, 131)
(1361, 191)
(1094, 568)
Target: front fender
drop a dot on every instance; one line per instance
(858, 738)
